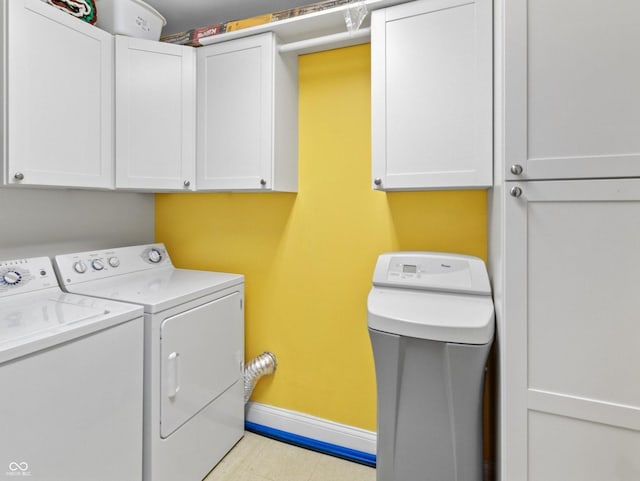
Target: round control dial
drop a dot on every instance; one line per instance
(154, 256)
(11, 278)
(97, 264)
(114, 261)
(80, 267)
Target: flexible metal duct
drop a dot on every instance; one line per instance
(262, 365)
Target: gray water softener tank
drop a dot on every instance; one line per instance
(431, 324)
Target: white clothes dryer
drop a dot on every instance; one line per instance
(71, 377)
(194, 352)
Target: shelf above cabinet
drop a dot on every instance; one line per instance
(314, 26)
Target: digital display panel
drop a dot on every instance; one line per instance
(410, 269)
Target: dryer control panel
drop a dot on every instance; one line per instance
(18, 276)
(94, 265)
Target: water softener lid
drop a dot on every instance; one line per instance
(438, 316)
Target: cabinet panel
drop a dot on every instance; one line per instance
(155, 115)
(247, 116)
(59, 98)
(567, 448)
(573, 89)
(238, 105)
(582, 295)
(571, 339)
(431, 95)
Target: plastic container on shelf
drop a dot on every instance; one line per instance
(133, 18)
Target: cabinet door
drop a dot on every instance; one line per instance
(235, 112)
(572, 96)
(155, 115)
(571, 340)
(59, 98)
(431, 95)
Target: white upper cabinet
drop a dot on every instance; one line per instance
(155, 115)
(431, 95)
(247, 116)
(57, 99)
(572, 96)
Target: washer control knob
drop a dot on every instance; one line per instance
(154, 256)
(80, 267)
(97, 264)
(114, 261)
(11, 278)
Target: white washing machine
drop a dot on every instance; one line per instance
(194, 352)
(71, 377)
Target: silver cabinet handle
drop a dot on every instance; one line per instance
(515, 191)
(516, 169)
(263, 182)
(377, 181)
(18, 176)
(187, 183)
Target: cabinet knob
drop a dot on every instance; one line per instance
(263, 182)
(516, 169)
(187, 183)
(515, 191)
(377, 181)
(18, 176)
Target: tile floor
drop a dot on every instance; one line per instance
(257, 458)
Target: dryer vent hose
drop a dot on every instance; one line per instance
(262, 365)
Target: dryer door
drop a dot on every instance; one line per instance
(202, 351)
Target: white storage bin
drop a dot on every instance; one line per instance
(133, 18)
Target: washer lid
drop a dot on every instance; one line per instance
(438, 316)
(35, 321)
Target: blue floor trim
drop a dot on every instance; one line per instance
(313, 444)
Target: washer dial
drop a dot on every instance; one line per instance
(97, 264)
(11, 278)
(154, 256)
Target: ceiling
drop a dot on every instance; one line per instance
(184, 15)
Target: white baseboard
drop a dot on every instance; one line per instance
(312, 427)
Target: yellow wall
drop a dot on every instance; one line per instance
(308, 257)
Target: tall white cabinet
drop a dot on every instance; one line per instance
(58, 101)
(565, 237)
(247, 116)
(571, 332)
(431, 95)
